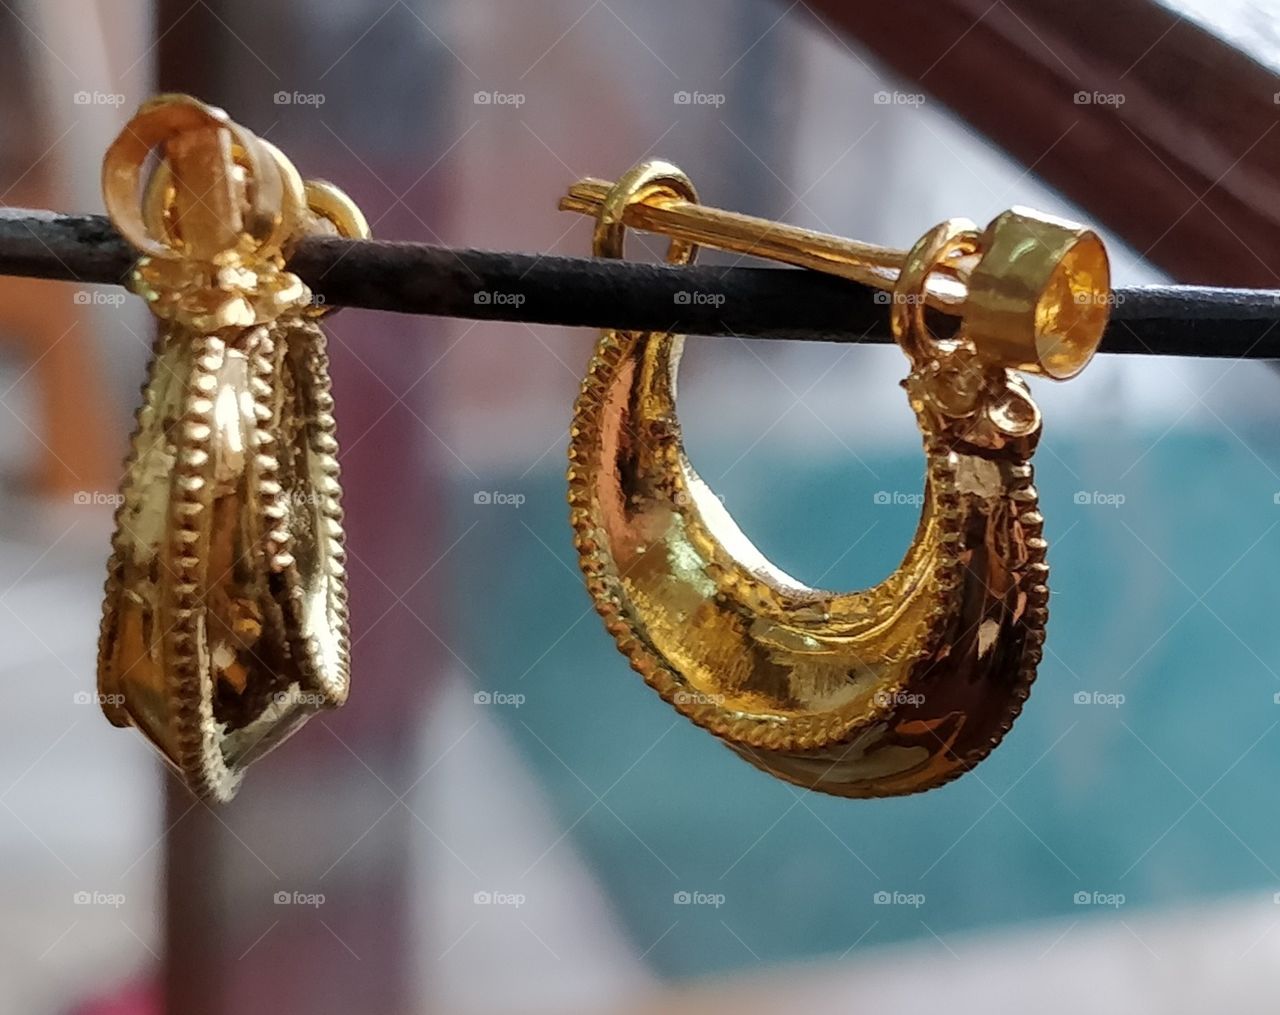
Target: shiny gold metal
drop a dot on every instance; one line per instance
(1040, 313)
(225, 621)
(893, 689)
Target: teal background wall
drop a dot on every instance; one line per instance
(1167, 599)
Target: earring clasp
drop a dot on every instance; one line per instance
(1033, 296)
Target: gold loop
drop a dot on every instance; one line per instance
(648, 182)
(272, 229)
(953, 238)
(272, 193)
(283, 197)
(332, 204)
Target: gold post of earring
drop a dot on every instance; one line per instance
(1035, 297)
(774, 241)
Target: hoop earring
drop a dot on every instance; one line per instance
(225, 619)
(891, 690)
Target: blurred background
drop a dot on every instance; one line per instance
(504, 818)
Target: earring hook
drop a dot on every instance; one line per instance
(648, 184)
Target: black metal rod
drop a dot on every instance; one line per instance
(771, 303)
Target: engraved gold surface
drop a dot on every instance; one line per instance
(225, 620)
(885, 691)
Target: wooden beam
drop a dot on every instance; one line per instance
(1166, 134)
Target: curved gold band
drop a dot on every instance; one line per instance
(884, 691)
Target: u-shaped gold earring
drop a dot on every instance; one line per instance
(890, 690)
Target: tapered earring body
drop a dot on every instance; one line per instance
(225, 620)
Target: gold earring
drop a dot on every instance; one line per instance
(225, 620)
(886, 691)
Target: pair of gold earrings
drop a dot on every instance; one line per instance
(225, 623)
